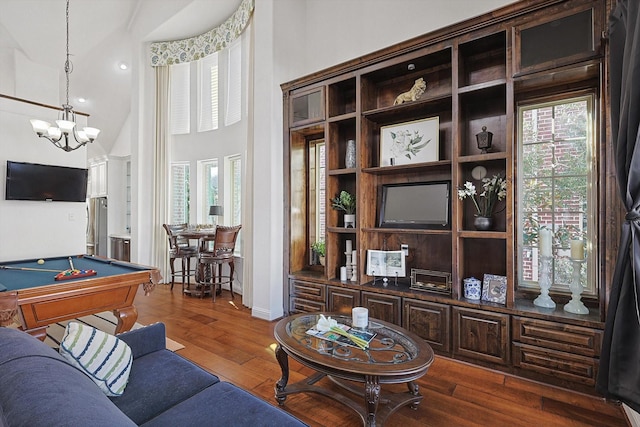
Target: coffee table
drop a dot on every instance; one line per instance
(394, 356)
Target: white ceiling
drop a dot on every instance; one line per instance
(101, 34)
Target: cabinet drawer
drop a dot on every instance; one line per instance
(481, 335)
(556, 364)
(341, 300)
(301, 305)
(428, 320)
(308, 290)
(383, 307)
(557, 336)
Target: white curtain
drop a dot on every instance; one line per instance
(159, 192)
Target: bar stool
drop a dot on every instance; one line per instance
(210, 261)
(179, 248)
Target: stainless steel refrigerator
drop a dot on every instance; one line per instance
(97, 226)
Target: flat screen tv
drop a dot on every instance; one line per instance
(32, 181)
(424, 205)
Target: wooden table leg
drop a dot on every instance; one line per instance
(371, 398)
(283, 361)
(127, 317)
(414, 389)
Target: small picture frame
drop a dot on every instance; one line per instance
(494, 288)
(410, 142)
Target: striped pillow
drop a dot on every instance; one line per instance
(105, 358)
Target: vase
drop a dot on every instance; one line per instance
(350, 156)
(349, 220)
(483, 223)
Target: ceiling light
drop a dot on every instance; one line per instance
(67, 120)
(123, 66)
(82, 100)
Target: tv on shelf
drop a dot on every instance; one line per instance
(32, 181)
(422, 205)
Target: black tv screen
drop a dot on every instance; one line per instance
(32, 181)
(416, 205)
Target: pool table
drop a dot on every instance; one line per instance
(41, 300)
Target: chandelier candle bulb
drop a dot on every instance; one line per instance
(577, 249)
(545, 242)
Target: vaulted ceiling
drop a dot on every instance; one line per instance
(102, 35)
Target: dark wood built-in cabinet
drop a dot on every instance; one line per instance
(477, 72)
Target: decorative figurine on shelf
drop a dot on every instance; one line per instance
(484, 140)
(413, 94)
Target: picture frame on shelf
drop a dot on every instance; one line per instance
(411, 142)
(494, 288)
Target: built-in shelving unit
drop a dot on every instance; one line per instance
(475, 78)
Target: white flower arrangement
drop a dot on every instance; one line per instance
(495, 190)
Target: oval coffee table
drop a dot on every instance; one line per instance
(394, 356)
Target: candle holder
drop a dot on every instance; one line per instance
(544, 300)
(348, 264)
(575, 305)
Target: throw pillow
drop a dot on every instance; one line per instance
(105, 358)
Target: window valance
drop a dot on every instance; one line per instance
(194, 48)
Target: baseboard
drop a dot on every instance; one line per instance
(632, 416)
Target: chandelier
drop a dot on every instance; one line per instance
(60, 135)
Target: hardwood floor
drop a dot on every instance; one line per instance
(224, 339)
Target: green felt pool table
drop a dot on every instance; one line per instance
(41, 300)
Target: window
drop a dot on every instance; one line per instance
(558, 188)
(234, 84)
(209, 193)
(180, 98)
(317, 191)
(233, 193)
(179, 193)
(208, 93)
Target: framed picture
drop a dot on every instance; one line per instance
(410, 142)
(494, 288)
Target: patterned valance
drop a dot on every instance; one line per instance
(194, 48)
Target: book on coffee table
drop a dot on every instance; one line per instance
(362, 336)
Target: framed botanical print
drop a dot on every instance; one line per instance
(410, 142)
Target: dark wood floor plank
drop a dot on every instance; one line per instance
(226, 340)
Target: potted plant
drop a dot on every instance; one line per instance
(495, 190)
(347, 203)
(319, 249)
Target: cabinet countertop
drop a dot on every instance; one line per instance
(121, 236)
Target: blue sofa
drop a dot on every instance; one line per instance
(39, 388)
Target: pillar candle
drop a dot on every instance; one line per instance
(349, 246)
(577, 249)
(343, 273)
(545, 241)
(354, 255)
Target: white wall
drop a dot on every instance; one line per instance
(30, 229)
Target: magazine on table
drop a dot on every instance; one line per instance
(385, 263)
(341, 339)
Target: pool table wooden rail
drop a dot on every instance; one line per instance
(41, 306)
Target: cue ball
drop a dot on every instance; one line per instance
(40, 261)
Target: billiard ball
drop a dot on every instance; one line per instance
(40, 261)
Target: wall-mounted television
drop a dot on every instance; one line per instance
(424, 205)
(32, 181)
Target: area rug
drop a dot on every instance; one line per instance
(104, 321)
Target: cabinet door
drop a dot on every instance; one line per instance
(383, 307)
(481, 335)
(342, 300)
(126, 250)
(429, 320)
(301, 305)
